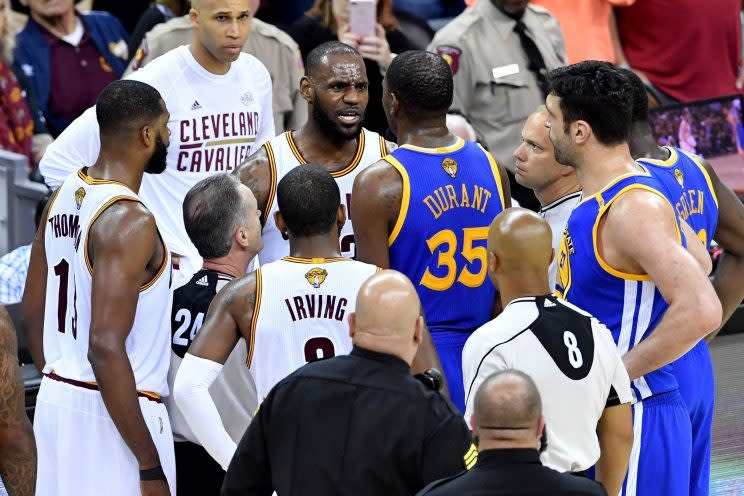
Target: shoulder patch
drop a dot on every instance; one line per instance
(470, 457)
(451, 54)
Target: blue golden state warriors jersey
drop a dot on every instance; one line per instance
(629, 305)
(450, 197)
(689, 189)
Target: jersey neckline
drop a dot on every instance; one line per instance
(335, 174)
(459, 144)
(83, 174)
(562, 199)
(304, 260)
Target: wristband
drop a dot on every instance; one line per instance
(152, 474)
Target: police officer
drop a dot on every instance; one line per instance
(272, 46)
(220, 231)
(509, 426)
(358, 424)
(500, 52)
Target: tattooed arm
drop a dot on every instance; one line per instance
(17, 445)
(259, 174)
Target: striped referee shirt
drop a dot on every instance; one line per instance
(572, 359)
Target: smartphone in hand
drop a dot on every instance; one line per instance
(362, 17)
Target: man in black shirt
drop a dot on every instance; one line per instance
(359, 424)
(508, 424)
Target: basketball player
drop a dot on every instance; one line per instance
(554, 184)
(100, 272)
(568, 353)
(623, 259)
(17, 447)
(708, 206)
(221, 104)
(335, 88)
(290, 312)
(227, 234)
(427, 208)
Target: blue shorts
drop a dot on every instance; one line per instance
(662, 448)
(449, 347)
(694, 373)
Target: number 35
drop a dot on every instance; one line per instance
(446, 258)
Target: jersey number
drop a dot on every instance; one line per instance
(183, 316)
(574, 353)
(62, 270)
(446, 259)
(319, 349)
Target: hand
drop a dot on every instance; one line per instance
(740, 79)
(346, 37)
(154, 488)
(376, 48)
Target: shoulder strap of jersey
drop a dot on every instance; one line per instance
(254, 318)
(272, 181)
(696, 160)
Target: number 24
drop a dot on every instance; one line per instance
(446, 258)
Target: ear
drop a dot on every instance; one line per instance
(148, 135)
(581, 132)
(241, 237)
(306, 89)
(394, 104)
(280, 224)
(341, 217)
(493, 263)
(194, 17)
(473, 427)
(352, 324)
(552, 255)
(418, 333)
(540, 425)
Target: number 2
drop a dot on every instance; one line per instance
(574, 353)
(446, 259)
(62, 270)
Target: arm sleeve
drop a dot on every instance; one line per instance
(191, 393)
(445, 451)
(249, 472)
(476, 367)
(77, 146)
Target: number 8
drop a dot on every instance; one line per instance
(574, 353)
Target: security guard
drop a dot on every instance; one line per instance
(358, 424)
(500, 52)
(272, 46)
(508, 424)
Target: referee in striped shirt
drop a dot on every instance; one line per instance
(570, 355)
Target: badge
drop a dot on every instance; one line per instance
(451, 55)
(504, 70)
(449, 166)
(79, 196)
(679, 177)
(316, 276)
(247, 98)
(140, 55)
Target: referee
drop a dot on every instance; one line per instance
(572, 358)
(358, 424)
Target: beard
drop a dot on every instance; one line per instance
(158, 160)
(331, 128)
(562, 156)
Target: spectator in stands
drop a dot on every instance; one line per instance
(272, 46)
(328, 20)
(684, 50)
(431, 9)
(508, 425)
(500, 52)
(588, 26)
(14, 266)
(158, 13)
(69, 58)
(128, 12)
(22, 126)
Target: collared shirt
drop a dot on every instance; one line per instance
(369, 426)
(516, 471)
(493, 86)
(72, 64)
(556, 214)
(13, 270)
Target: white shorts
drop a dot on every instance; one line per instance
(80, 451)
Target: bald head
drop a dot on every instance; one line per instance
(387, 316)
(521, 242)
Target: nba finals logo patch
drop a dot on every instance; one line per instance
(450, 167)
(247, 98)
(79, 195)
(563, 282)
(316, 276)
(679, 177)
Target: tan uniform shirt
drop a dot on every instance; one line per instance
(272, 46)
(493, 86)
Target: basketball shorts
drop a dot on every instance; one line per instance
(449, 347)
(694, 373)
(662, 448)
(80, 451)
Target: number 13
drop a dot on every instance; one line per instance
(447, 259)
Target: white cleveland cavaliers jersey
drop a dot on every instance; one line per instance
(301, 314)
(572, 359)
(556, 214)
(67, 315)
(285, 156)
